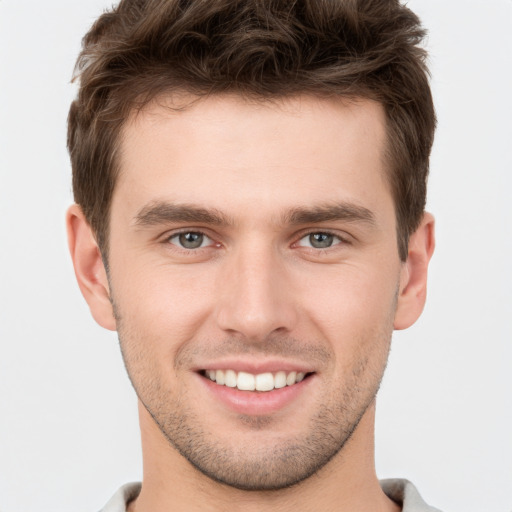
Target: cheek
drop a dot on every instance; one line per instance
(353, 310)
(162, 305)
(351, 299)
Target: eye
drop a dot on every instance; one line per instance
(190, 240)
(319, 240)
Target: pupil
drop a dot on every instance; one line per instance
(321, 240)
(191, 240)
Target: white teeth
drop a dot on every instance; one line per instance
(219, 377)
(264, 382)
(290, 379)
(260, 382)
(280, 380)
(230, 378)
(245, 381)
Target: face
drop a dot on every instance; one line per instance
(254, 274)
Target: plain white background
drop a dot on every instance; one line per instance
(68, 423)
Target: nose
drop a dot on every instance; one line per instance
(255, 296)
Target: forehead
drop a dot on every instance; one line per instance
(279, 153)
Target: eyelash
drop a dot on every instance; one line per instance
(342, 239)
(317, 250)
(168, 239)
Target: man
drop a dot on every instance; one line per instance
(250, 183)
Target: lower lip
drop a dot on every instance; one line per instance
(256, 403)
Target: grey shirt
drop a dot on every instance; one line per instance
(402, 492)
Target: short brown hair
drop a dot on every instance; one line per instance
(264, 48)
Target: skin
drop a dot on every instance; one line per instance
(256, 292)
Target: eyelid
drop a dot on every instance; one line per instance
(166, 239)
(343, 238)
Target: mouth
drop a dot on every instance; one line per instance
(262, 382)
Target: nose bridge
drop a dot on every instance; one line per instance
(254, 298)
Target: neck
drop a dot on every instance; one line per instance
(347, 483)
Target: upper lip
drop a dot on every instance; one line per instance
(256, 367)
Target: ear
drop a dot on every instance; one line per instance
(413, 277)
(89, 269)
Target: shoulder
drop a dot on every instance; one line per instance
(401, 491)
(405, 493)
(122, 497)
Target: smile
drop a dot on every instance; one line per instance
(249, 382)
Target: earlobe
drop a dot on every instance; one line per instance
(89, 268)
(413, 279)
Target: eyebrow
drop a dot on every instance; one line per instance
(348, 212)
(158, 212)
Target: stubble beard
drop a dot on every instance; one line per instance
(254, 467)
(275, 467)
